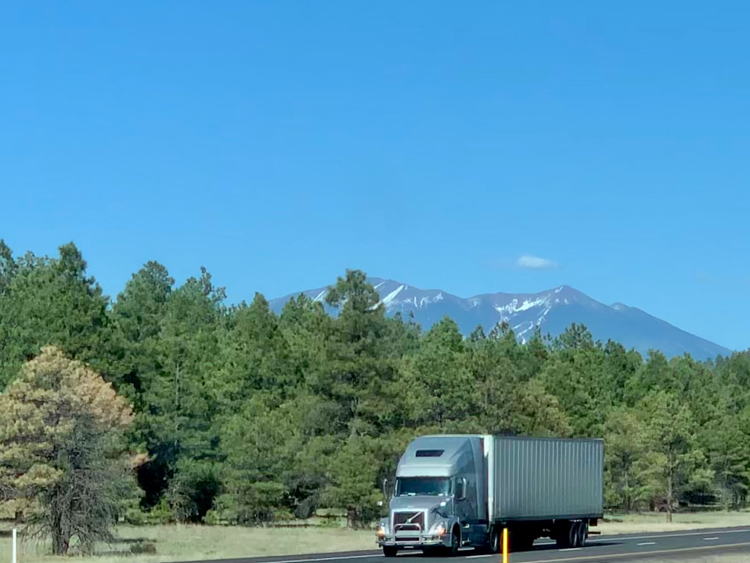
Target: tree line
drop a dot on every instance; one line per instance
(239, 415)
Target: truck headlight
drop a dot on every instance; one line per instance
(381, 530)
(438, 529)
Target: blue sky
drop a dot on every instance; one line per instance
(436, 143)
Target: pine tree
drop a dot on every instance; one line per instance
(673, 461)
(62, 455)
(49, 302)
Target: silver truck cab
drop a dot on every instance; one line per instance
(439, 496)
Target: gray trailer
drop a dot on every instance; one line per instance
(453, 491)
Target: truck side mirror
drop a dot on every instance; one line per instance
(461, 489)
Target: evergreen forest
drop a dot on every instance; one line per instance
(230, 413)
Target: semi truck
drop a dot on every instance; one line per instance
(454, 491)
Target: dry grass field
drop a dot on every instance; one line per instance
(184, 543)
(652, 522)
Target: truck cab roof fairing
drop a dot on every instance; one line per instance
(447, 464)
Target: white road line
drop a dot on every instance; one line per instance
(648, 543)
(598, 558)
(611, 537)
(324, 559)
(602, 538)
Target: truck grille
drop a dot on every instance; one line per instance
(411, 521)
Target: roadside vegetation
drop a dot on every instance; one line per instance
(173, 407)
(648, 522)
(190, 542)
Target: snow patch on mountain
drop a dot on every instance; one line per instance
(513, 307)
(321, 296)
(392, 295)
(550, 311)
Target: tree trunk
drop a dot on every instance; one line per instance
(351, 518)
(628, 502)
(60, 531)
(669, 499)
(60, 543)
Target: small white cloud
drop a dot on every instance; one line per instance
(529, 262)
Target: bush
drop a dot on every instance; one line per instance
(160, 514)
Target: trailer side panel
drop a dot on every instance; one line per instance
(547, 478)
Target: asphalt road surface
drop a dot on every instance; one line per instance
(672, 546)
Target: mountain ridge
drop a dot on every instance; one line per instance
(552, 310)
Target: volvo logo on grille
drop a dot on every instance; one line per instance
(411, 521)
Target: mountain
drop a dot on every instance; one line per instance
(553, 311)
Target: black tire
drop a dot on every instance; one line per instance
(573, 534)
(390, 550)
(455, 542)
(582, 534)
(495, 539)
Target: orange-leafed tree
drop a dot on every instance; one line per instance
(64, 460)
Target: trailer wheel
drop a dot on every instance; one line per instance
(582, 534)
(574, 535)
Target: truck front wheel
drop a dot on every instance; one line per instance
(455, 541)
(494, 540)
(390, 550)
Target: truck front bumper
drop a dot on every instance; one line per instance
(414, 542)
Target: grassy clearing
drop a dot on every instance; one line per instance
(189, 543)
(651, 522)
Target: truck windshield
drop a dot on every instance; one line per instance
(431, 486)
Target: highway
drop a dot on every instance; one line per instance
(672, 546)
